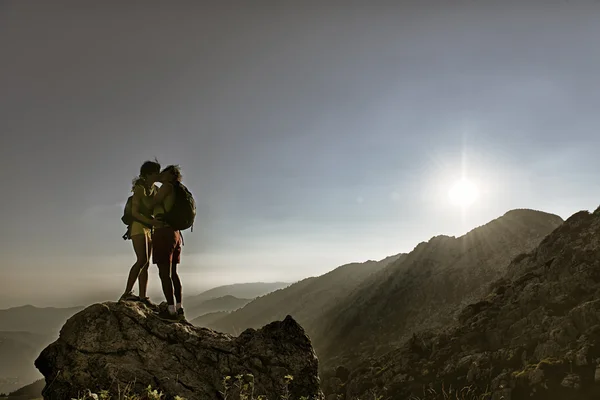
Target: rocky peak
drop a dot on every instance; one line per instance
(426, 288)
(116, 345)
(535, 335)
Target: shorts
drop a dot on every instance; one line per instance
(166, 246)
(139, 229)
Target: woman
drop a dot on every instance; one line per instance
(140, 230)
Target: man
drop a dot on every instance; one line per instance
(167, 244)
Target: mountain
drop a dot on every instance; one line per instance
(208, 319)
(28, 318)
(306, 301)
(249, 290)
(426, 288)
(18, 351)
(32, 391)
(7, 301)
(534, 335)
(225, 303)
(24, 331)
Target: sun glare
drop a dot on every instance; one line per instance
(463, 193)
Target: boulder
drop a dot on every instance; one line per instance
(125, 346)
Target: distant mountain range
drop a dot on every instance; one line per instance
(24, 332)
(225, 303)
(18, 351)
(46, 321)
(8, 301)
(208, 319)
(32, 391)
(307, 301)
(249, 290)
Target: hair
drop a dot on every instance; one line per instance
(147, 168)
(175, 170)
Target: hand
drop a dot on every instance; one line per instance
(158, 224)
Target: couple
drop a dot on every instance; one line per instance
(154, 228)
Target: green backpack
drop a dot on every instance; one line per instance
(183, 213)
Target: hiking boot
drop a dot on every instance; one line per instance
(164, 314)
(129, 296)
(180, 313)
(146, 301)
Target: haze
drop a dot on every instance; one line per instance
(311, 134)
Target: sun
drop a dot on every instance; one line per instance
(463, 193)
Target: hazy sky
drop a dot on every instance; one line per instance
(311, 133)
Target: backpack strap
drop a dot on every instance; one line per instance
(163, 202)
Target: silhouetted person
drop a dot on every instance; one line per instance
(167, 243)
(140, 230)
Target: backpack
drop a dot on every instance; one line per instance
(127, 217)
(183, 213)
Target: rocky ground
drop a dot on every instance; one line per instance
(111, 346)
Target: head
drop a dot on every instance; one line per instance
(150, 171)
(171, 173)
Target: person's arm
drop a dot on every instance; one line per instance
(138, 194)
(161, 195)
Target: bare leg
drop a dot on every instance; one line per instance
(140, 248)
(143, 277)
(177, 290)
(164, 272)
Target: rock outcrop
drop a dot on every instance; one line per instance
(536, 335)
(111, 346)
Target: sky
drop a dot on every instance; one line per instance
(312, 133)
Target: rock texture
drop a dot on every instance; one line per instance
(426, 289)
(536, 335)
(112, 345)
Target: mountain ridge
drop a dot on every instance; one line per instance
(34, 319)
(225, 303)
(426, 288)
(534, 335)
(19, 350)
(248, 290)
(304, 300)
